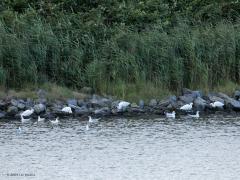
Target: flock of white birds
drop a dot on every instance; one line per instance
(188, 107)
(120, 107)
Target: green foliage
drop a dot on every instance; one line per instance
(119, 45)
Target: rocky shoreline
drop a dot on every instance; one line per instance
(98, 106)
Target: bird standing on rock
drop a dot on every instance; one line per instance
(67, 110)
(217, 104)
(123, 105)
(187, 107)
(28, 112)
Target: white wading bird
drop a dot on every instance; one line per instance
(170, 115)
(28, 112)
(55, 122)
(123, 105)
(217, 104)
(194, 115)
(187, 107)
(40, 119)
(91, 120)
(67, 110)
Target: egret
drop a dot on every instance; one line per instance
(40, 119)
(67, 110)
(217, 104)
(28, 112)
(123, 105)
(187, 107)
(55, 122)
(170, 115)
(194, 115)
(91, 120)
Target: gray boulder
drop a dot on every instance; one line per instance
(72, 102)
(12, 110)
(187, 98)
(230, 102)
(98, 101)
(153, 103)
(2, 114)
(237, 95)
(82, 111)
(134, 105)
(171, 100)
(194, 94)
(14, 102)
(39, 108)
(103, 111)
(200, 104)
(214, 97)
(21, 106)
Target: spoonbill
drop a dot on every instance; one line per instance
(217, 104)
(187, 107)
(170, 115)
(28, 112)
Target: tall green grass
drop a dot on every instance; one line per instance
(116, 60)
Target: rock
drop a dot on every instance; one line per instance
(153, 103)
(194, 94)
(3, 105)
(39, 108)
(21, 106)
(200, 104)
(29, 103)
(41, 101)
(14, 102)
(237, 95)
(12, 110)
(98, 101)
(134, 105)
(72, 102)
(103, 111)
(141, 104)
(2, 114)
(187, 98)
(86, 90)
(230, 102)
(168, 101)
(213, 97)
(82, 111)
(81, 103)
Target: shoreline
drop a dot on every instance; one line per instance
(99, 106)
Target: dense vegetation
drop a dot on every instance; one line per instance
(118, 45)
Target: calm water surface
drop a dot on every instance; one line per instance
(149, 148)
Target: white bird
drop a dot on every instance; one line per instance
(187, 107)
(55, 122)
(87, 127)
(123, 105)
(19, 130)
(67, 110)
(195, 115)
(217, 104)
(27, 112)
(23, 120)
(91, 120)
(170, 115)
(40, 119)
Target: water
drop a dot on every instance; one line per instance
(150, 148)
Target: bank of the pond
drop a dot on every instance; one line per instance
(99, 106)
